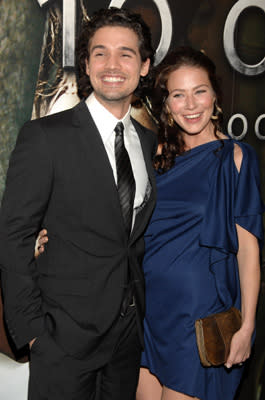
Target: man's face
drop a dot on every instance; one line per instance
(115, 65)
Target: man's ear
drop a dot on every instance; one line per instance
(145, 67)
(87, 67)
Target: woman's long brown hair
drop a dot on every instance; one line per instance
(170, 137)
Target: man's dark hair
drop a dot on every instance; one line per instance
(113, 16)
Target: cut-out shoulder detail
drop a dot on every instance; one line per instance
(238, 156)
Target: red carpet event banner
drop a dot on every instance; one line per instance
(37, 47)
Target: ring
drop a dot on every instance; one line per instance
(240, 364)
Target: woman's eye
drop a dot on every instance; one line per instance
(200, 91)
(177, 95)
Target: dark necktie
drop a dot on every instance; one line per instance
(125, 178)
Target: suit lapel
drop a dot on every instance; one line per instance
(97, 155)
(143, 216)
(146, 151)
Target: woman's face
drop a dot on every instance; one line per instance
(191, 100)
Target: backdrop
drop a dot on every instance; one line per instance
(37, 41)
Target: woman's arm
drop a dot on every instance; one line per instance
(249, 275)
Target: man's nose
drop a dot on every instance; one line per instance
(113, 61)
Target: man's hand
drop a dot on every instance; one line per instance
(40, 242)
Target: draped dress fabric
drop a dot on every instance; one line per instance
(190, 264)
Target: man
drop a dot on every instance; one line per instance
(86, 175)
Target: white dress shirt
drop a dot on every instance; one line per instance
(106, 123)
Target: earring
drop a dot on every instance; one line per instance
(216, 111)
(170, 119)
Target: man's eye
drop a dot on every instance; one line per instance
(126, 55)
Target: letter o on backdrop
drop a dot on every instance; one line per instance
(166, 23)
(229, 41)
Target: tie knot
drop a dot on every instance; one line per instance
(119, 128)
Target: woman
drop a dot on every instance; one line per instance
(202, 244)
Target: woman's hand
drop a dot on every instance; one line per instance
(40, 242)
(240, 348)
(31, 343)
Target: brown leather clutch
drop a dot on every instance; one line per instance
(6, 346)
(214, 334)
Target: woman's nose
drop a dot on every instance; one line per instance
(190, 102)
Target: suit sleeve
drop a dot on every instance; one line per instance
(28, 187)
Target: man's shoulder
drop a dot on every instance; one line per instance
(60, 123)
(149, 136)
(64, 116)
(143, 129)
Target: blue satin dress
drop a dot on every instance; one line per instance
(190, 264)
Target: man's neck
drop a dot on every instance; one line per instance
(117, 108)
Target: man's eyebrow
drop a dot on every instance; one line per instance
(124, 48)
(98, 46)
(102, 47)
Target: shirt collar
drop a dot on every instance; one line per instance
(105, 120)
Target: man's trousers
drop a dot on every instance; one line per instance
(55, 375)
